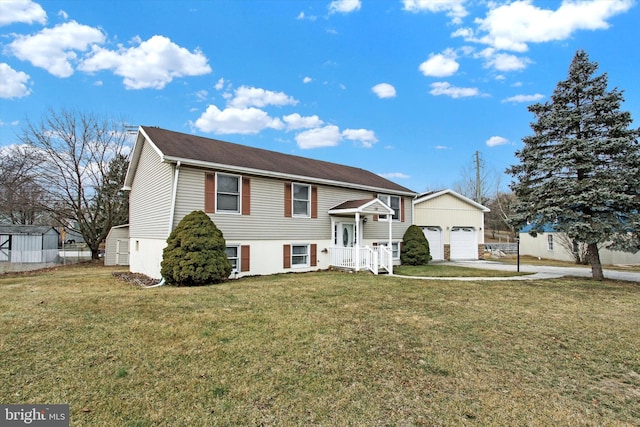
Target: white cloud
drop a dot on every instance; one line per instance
(328, 136)
(440, 65)
(507, 62)
(296, 121)
(255, 97)
(394, 175)
(344, 6)
(366, 137)
(202, 95)
(54, 49)
(496, 140)
(219, 84)
(454, 8)
(524, 98)
(512, 26)
(24, 11)
(444, 88)
(384, 90)
(152, 64)
(13, 84)
(236, 120)
(442, 147)
(301, 17)
(307, 80)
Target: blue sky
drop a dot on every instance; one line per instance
(406, 89)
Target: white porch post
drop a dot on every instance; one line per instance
(332, 250)
(390, 231)
(356, 240)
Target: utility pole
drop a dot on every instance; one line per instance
(478, 180)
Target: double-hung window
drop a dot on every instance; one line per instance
(550, 242)
(394, 203)
(299, 255)
(233, 255)
(301, 200)
(228, 193)
(395, 248)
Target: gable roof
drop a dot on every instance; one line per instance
(195, 150)
(433, 194)
(368, 206)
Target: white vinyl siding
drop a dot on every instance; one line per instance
(150, 196)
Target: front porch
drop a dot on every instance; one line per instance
(377, 259)
(347, 251)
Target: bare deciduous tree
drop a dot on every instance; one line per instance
(78, 150)
(21, 196)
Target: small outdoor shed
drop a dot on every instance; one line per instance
(28, 243)
(453, 224)
(116, 251)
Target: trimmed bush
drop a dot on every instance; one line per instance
(195, 253)
(415, 247)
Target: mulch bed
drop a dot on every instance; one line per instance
(135, 278)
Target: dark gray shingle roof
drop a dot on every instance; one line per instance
(191, 147)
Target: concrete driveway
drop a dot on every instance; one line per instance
(544, 272)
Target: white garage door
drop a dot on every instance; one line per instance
(434, 237)
(464, 243)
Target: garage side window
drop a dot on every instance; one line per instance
(550, 242)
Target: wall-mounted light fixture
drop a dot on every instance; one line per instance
(364, 220)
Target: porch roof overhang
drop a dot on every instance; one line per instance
(371, 206)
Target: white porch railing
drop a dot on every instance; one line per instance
(369, 258)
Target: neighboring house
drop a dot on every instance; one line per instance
(28, 243)
(551, 244)
(116, 248)
(278, 212)
(452, 223)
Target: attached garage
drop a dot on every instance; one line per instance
(436, 244)
(453, 224)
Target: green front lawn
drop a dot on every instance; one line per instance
(325, 348)
(444, 270)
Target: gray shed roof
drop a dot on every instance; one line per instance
(37, 230)
(175, 146)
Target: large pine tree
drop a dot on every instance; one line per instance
(580, 170)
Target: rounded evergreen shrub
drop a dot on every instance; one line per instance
(415, 247)
(195, 253)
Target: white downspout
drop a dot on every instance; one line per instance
(356, 238)
(174, 193)
(390, 244)
(172, 212)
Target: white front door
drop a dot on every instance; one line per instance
(346, 234)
